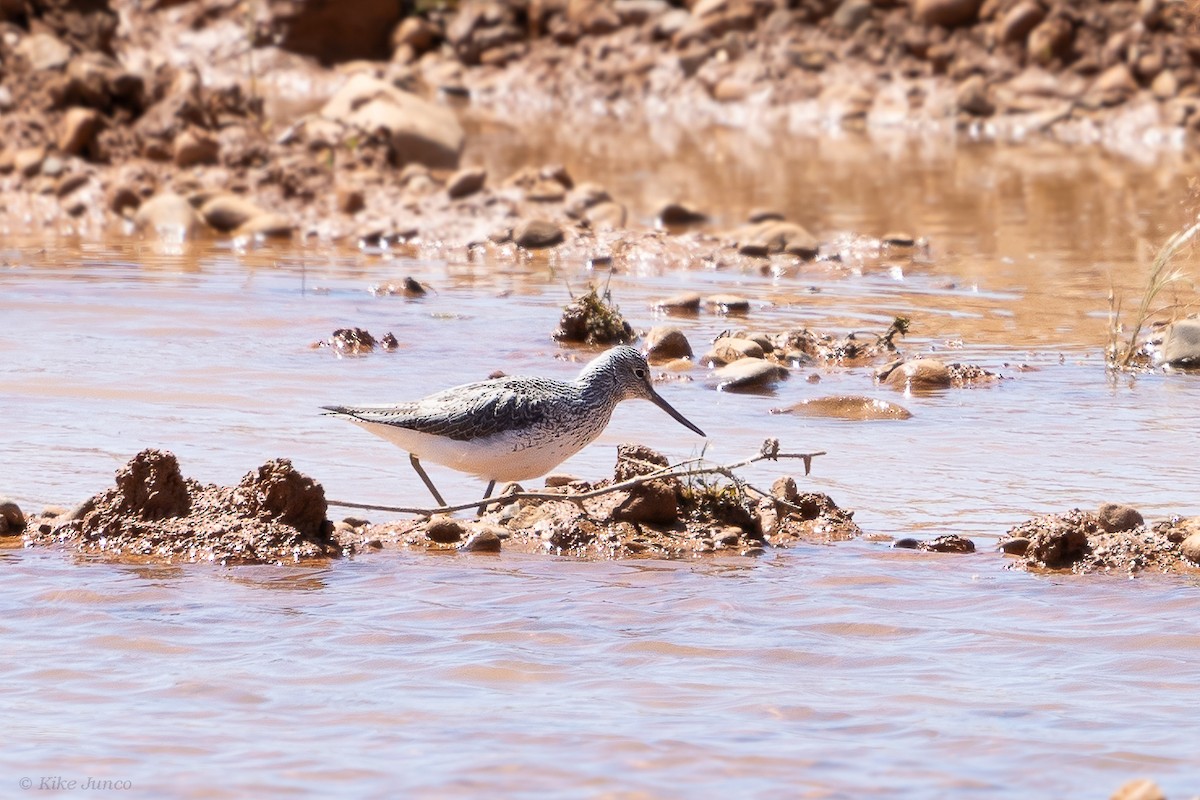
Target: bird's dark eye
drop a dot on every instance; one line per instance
(641, 373)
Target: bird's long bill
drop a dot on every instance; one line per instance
(656, 398)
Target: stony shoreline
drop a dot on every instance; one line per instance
(280, 122)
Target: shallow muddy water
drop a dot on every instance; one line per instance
(853, 670)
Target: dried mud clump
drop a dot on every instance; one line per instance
(1112, 539)
(273, 515)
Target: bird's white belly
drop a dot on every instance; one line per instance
(503, 457)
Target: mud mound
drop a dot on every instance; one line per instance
(666, 517)
(1104, 541)
(273, 515)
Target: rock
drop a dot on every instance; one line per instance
(729, 349)
(774, 236)
(849, 407)
(898, 239)
(1139, 789)
(1190, 547)
(53, 166)
(1115, 517)
(167, 215)
(195, 146)
(485, 541)
(606, 215)
(728, 303)
(537, 233)
(921, 374)
(416, 33)
(12, 520)
(584, 196)
(1165, 86)
(972, 97)
(948, 543)
(27, 161)
(1050, 40)
(267, 225)
(749, 374)
(226, 212)
(679, 215)
(654, 502)
(44, 51)
(1114, 86)
(1016, 546)
(784, 488)
(1019, 21)
(546, 191)
(1181, 344)
(417, 130)
(852, 13)
(77, 130)
(666, 343)
(686, 302)
(466, 182)
(444, 530)
(947, 13)
(558, 479)
(350, 201)
(332, 32)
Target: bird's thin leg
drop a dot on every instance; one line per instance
(428, 483)
(487, 493)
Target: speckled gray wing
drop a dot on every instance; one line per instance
(473, 411)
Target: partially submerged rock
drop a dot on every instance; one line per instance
(273, 515)
(848, 407)
(12, 520)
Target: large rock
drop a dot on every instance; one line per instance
(226, 212)
(44, 51)
(12, 520)
(749, 374)
(1181, 346)
(168, 215)
(947, 13)
(776, 236)
(418, 130)
(336, 30)
(78, 130)
(666, 343)
(921, 374)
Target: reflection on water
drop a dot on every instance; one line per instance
(833, 671)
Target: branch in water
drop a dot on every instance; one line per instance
(689, 468)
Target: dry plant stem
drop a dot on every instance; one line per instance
(1156, 283)
(683, 469)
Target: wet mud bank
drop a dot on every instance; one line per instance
(276, 515)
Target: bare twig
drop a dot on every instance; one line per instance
(684, 469)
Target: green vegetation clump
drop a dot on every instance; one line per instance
(593, 319)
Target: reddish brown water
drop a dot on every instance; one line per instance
(844, 671)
